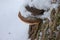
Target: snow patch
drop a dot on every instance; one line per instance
(39, 4)
(58, 27)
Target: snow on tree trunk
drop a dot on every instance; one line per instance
(46, 23)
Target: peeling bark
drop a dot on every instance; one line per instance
(30, 21)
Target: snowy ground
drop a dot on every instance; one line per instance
(11, 28)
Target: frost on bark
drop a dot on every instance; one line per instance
(49, 30)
